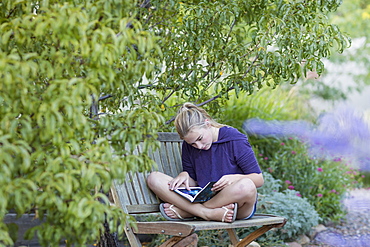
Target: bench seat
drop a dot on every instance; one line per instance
(135, 198)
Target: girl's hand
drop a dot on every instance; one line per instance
(225, 181)
(181, 179)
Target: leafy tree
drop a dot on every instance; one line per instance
(352, 17)
(84, 82)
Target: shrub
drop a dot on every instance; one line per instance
(267, 104)
(301, 215)
(322, 182)
(271, 184)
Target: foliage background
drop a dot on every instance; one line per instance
(84, 82)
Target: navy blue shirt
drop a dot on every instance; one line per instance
(230, 154)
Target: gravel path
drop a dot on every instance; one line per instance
(354, 231)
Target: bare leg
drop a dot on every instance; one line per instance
(211, 210)
(243, 192)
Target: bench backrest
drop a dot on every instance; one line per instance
(134, 193)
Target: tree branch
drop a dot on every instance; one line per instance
(202, 103)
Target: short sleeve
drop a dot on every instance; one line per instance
(245, 157)
(186, 161)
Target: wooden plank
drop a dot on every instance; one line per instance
(144, 208)
(128, 197)
(255, 221)
(139, 184)
(189, 241)
(122, 197)
(135, 183)
(130, 189)
(171, 163)
(233, 236)
(131, 236)
(167, 227)
(164, 159)
(145, 191)
(175, 228)
(169, 137)
(177, 156)
(157, 159)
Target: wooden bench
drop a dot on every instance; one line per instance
(134, 197)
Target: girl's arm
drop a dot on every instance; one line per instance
(183, 179)
(226, 180)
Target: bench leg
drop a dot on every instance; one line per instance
(248, 239)
(132, 237)
(189, 241)
(233, 236)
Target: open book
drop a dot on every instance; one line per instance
(197, 194)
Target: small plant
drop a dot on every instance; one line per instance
(323, 182)
(301, 215)
(271, 184)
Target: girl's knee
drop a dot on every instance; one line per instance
(153, 178)
(156, 179)
(246, 188)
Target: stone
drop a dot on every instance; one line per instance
(253, 244)
(294, 244)
(303, 239)
(315, 230)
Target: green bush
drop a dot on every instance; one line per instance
(301, 215)
(323, 182)
(271, 184)
(267, 104)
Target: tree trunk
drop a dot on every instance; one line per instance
(107, 239)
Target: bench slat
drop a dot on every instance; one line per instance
(164, 227)
(134, 193)
(183, 228)
(169, 161)
(169, 137)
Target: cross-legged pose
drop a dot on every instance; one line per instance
(210, 152)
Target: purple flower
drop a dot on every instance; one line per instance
(294, 152)
(282, 144)
(291, 187)
(288, 182)
(298, 195)
(333, 191)
(260, 154)
(266, 158)
(319, 195)
(320, 169)
(322, 137)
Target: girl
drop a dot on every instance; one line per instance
(210, 152)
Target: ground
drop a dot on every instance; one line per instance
(354, 230)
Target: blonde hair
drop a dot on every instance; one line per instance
(189, 116)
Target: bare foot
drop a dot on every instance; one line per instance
(174, 212)
(224, 214)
